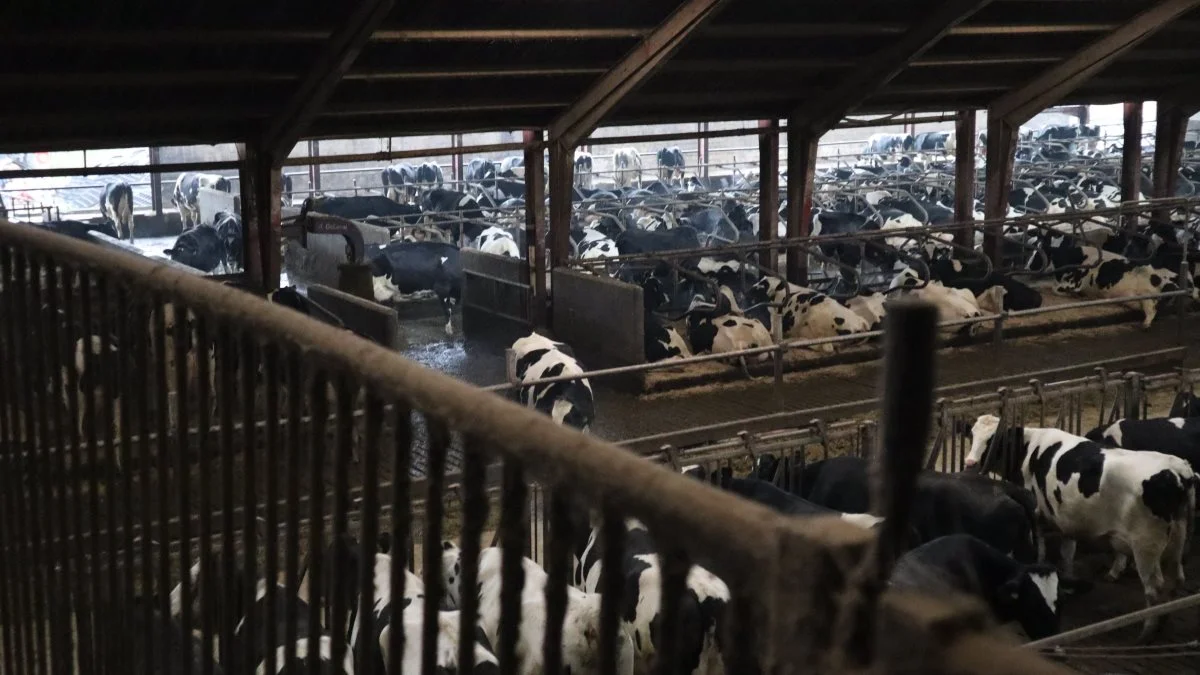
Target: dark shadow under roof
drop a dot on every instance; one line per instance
(113, 74)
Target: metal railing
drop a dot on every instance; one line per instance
(104, 514)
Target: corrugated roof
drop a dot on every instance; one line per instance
(118, 73)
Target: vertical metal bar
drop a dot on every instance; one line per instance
(35, 431)
(341, 459)
(435, 476)
(768, 190)
(801, 168)
(89, 468)
(128, 392)
(514, 496)
(159, 308)
(144, 385)
(183, 340)
(206, 590)
(9, 443)
(561, 168)
(675, 566)
(964, 176)
(295, 397)
(1131, 158)
(14, 464)
(107, 418)
(156, 200)
(475, 508)
(271, 380)
(369, 517)
(319, 405)
(535, 225)
(558, 568)
(248, 360)
(1001, 146)
(612, 581)
(226, 365)
(401, 517)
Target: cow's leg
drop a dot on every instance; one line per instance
(1150, 309)
(1067, 550)
(1176, 543)
(1148, 556)
(1120, 562)
(448, 308)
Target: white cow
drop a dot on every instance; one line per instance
(498, 241)
(952, 303)
(805, 313)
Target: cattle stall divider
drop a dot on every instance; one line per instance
(496, 297)
(86, 537)
(601, 318)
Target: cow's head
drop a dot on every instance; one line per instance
(981, 434)
(1031, 598)
(451, 575)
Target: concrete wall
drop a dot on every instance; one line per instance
(368, 319)
(601, 318)
(496, 296)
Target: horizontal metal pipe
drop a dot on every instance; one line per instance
(112, 170)
(388, 155)
(490, 34)
(1115, 623)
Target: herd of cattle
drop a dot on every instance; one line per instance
(1129, 486)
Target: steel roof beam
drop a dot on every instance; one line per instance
(339, 54)
(585, 114)
(1020, 104)
(823, 111)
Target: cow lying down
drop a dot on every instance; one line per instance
(953, 304)
(1095, 273)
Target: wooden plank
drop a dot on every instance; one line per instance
(1001, 146)
(964, 175)
(801, 168)
(1131, 157)
(768, 188)
(535, 224)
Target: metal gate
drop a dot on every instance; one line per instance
(166, 442)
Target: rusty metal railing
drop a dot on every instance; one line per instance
(167, 443)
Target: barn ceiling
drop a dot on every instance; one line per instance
(126, 73)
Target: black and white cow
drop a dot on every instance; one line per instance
(116, 205)
(513, 167)
(886, 144)
(229, 231)
(429, 175)
(627, 167)
(671, 164)
(953, 304)
(805, 313)
(661, 342)
(681, 238)
(187, 191)
(1141, 502)
(399, 181)
(960, 563)
(405, 267)
(460, 211)
(584, 178)
(702, 606)
(931, 140)
(957, 274)
(581, 621)
(199, 247)
(1000, 514)
(714, 329)
(1095, 273)
(570, 402)
(299, 658)
(1175, 436)
(497, 241)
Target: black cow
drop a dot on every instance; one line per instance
(116, 205)
(971, 276)
(200, 247)
(229, 230)
(671, 164)
(291, 297)
(640, 241)
(1003, 515)
(785, 502)
(77, 229)
(960, 563)
(460, 212)
(361, 207)
(1177, 436)
(398, 181)
(187, 191)
(1186, 404)
(145, 643)
(405, 267)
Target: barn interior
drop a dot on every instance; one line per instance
(782, 111)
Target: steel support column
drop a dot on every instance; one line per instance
(535, 225)
(1169, 132)
(1131, 157)
(1001, 146)
(768, 190)
(964, 175)
(156, 200)
(801, 168)
(562, 166)
(261, 188)
(314, 169)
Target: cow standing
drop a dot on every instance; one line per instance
(671, 164)
(583, 169)
(116, 205)
(402, 268)
(627, 167)
(570, 402)
(186, 196)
